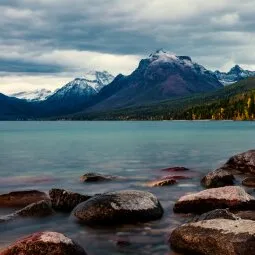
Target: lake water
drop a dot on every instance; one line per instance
(43, 155)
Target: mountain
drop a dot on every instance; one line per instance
(12, 108)
(35, 95)
(235, 74)
(160, 76)
(233, 102)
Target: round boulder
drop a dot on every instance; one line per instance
(232, 197)
(22, 198)
(127, 206)
(249, 182)
(243, 162)
(44, 243)
(218, 178)
(214, 237)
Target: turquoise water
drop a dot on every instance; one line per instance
(43, 155)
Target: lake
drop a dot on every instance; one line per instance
(45, 155)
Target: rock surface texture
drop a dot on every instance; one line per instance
(127, 206)
(232, 197)
(215, 237)
(66, 201)
(44, 243)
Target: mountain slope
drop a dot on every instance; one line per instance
(235, 74)
(35, 95)
(159, 77)
(233, 102)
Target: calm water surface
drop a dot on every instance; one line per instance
(43, 155)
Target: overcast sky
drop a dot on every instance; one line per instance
(45, 43)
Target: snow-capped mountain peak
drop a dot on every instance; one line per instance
(34, 95)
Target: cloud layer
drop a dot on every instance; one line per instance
(64, 38)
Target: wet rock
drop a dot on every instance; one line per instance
(249, 182)
(175, 169)
(45, 243)
(246, 215)
(218, 178)
(243, 162)
(94, 177)
(162, 182)
(122, 241)
(232, 197)
(127, 206)
(216, 214)
(214, 237)
(22, 198)
(66, 201)
(40, 209)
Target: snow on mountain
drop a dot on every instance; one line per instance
(235, 74)
(35, 95)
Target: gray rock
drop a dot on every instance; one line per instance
(66, 201)
(243, 162)
(95, 177)
(232, 197)
(216, 214)
(22, 198)
(218, 178)
(215, 237)
(127, 206)
(44, 243)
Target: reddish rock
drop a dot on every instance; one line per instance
(232, 197)
(22, 198)
(44, 243)
(218, 178)
(215, 237)
(175, 169)
(66, 201)
(249, 182)
(243, 162)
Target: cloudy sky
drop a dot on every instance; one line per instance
(45, 43)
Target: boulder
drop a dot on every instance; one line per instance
(218, 178)
(246, 215)
(39, 209)
(216, 214)
(232, 197)
(119, 207)
(22, 198)
(175, 169)
(249, 182)
(94, 177)
(243, 162)
(66, 201)
(44, 243)
(214, 237)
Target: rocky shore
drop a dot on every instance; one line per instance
(221, 218)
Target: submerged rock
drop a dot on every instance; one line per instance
(218, 178)
(232, 197)
(162, 182)
(249, 182)
(127, 206)
(214, 237)
(94, 177)
(22, 198)
(216, 214)
(45, 243)
(66, 201)
(175, 169)
(40, 209)
(243, 162)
